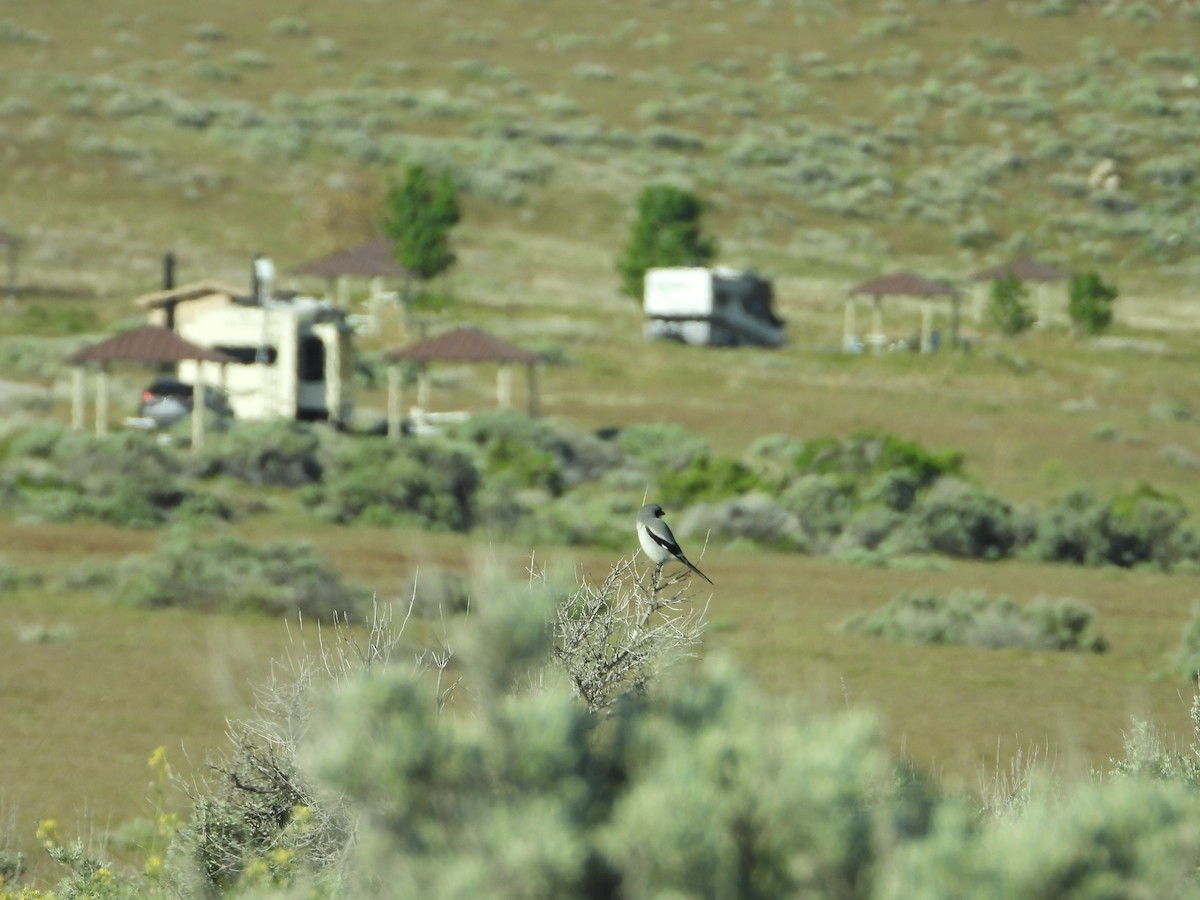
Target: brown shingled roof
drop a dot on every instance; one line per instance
(374, 259)
(1026, 269)
(151, 344)
(906, 283)
(463, 344)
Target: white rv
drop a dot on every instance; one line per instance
(718, 307)
(293, 354)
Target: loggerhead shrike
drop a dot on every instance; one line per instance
(657, 541)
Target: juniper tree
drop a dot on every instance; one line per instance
(420, 213)
(666, 233)
(1089, 303)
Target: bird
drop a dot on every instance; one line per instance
(657, 540)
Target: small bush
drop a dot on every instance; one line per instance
(280, 452)
(959, 519)
(225, 574)
(754, 517)
(1143, 526)
(1187, 658)
(661, 445)
(126, 478)
(1089, 303)
(978, 620)
(385, 482)
(867, 453)
(706, 477)
(822, 505)
(1006, 307)
(514, 447)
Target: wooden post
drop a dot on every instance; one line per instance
(877, 337)
(198, 407)
(848, 325)
(333, 376)
(423, 388)
(926, 325)
(102, 400)
(533, 391)
(12, 268)
(78, 397)
(395, 402)
(504, 385)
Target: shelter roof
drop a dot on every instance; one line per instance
(151, 344)
(8, 239)
(465, 344)
(906, 283)
(191, 291)
(374, 259)
(1025, 268)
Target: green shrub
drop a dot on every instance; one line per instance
(515, 447)
(126, 478)
(1072, 529)
(976, 619)
(959, 519)
(822, 505)
(1089, 303)
(385, 482)
(279, 452)
(1006, 308)
(706, 477)
(225, 574)
(661, 445)
(1143, 526)
(1187, 658)
(1128, 838)
(533, 795)
(754, 517)
(867, 453)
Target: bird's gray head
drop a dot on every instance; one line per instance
(651, 511)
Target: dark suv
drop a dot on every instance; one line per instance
(167, 400)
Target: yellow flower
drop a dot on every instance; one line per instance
(47, 833)
(282, 857)
(256, 869)
(154, 864)
(158, 761)
(301, 814)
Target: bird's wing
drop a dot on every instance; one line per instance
(660, 533)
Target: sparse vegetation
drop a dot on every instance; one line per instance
(981, 621)
(829, 142)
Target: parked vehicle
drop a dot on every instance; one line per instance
(167, 400)
(718, 307)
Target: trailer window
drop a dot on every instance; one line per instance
(247, 356)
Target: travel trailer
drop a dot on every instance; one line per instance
(718, 307)
(293, 353)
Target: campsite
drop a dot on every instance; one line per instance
(909, 432)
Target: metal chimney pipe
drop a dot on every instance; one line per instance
(168, 283)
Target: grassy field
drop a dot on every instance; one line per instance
(832, 141)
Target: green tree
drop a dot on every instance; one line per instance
(1089, 303)
(1007, 310)
(420, 213)
(666, 233)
